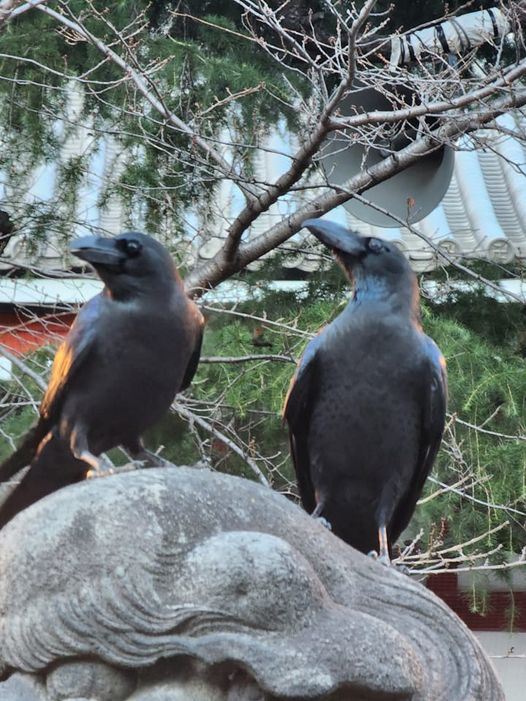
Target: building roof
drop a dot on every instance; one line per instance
(482, 215)
(45, 292)
(42, 292)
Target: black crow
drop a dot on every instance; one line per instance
(367, 405)
(129, 351)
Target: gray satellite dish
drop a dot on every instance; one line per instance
(423, 184)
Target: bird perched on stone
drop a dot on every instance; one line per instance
(129, 351)
(366, 407)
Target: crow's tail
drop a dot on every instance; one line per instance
(54, 467)
(25, 453)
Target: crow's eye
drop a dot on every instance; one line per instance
(131, 247)
(375, 246)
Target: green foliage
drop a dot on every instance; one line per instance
(14, 425)
(487, 387)
(498, 323)
(250, 395)
(196, 64)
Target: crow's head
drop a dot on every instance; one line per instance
(129, 264)
(367, 261)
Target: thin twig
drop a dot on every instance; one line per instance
(264, 320)
(449, 488)
(246, 358)
(191, 416)
(14, 8)
(507, 436)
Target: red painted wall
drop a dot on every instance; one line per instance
(505, 610)
(23, 332)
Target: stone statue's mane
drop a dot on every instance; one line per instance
(179, 563)
(77, 624)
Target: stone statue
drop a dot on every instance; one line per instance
(177, 584)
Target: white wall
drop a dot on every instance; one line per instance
(508, 653)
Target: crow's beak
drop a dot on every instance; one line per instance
(97, 251)
(337, 237)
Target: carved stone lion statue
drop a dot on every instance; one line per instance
(178, 583)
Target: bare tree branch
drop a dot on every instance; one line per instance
(24, 367)
(14, 8)
(489, 433)
(217, 269)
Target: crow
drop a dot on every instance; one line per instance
(366, 407)
(130, 350)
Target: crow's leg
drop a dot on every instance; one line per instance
(389, 497)
(317, 511)
(317, 515)
(383, 551)
(78, 444)
(45, 441)
(384, 546)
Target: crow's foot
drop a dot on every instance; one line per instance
(323, 521)
(146, 458)
(100, 467)
(382, 559)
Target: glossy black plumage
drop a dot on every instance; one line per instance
(129, 351)
(366, 407)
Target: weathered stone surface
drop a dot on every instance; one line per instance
(183, 583)
(23, 687)
(88, 679)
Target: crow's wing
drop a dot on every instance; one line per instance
(70, 356)
(297, 411)
(194, 357)
(434, 403)
(78, 345)
(25, 452)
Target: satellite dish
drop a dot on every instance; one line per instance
(411, 194)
